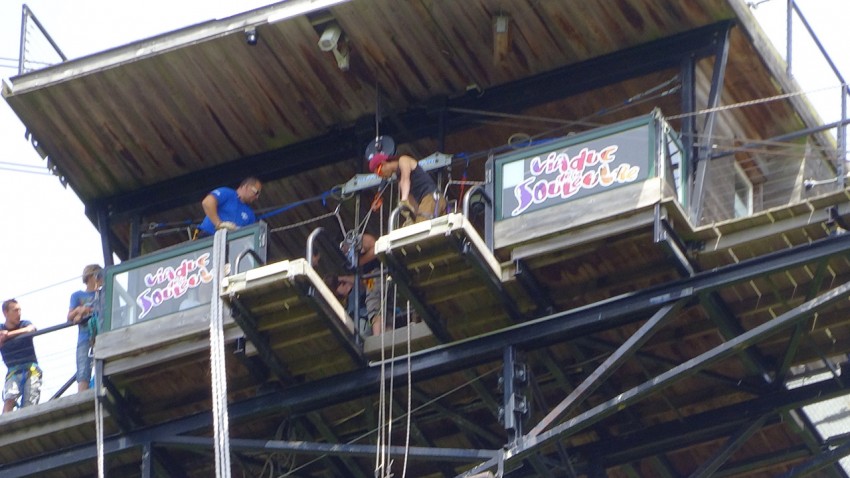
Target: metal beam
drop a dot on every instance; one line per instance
(472, 256)
(732, 382)
(247, 322)
(707, 426)
(819, 462)
(707, 469)
(704, 149)
(402, 281)
(608, 367)
(728, 327)
(684, 370)
(797, 335)
(462, 455)
(352, 469)
(451, 358)
(461, 421)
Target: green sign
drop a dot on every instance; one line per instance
(574, 167)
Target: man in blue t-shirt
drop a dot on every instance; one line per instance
(23, 378)
(230, 209)
(84, 308)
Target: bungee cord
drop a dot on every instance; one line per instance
(412, 411)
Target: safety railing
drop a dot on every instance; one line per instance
(175, 279)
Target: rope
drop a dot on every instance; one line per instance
(409, 398)
(755, 102)
(389, 399)
(420, 407)
(380, 438)
(335, 212)
(217, 362)
(323, 197)
(98, 417)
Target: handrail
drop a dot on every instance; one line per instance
(242, 254)
(841, 131)
(52, 328)
(310, 239)
(395, 214)
(468, 196)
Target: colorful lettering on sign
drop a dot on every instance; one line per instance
(586, 170)
(173, 282)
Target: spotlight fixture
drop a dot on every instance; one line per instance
(251, 36)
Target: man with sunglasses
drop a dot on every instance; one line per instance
(230, 209)
(418, 193)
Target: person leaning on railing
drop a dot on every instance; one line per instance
(83, 310)
(230, 209)
(418, 194)
(23, 379)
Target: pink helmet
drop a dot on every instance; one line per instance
(376, 159)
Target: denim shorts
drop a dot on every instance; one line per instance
(84, 361)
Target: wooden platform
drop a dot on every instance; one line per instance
(298, 319)
(452, 279)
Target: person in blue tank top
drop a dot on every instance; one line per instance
(230, 209)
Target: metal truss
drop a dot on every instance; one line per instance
(532, 335)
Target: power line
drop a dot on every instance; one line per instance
(22, 168)
(41, 289)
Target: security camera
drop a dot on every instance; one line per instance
(341, 55)
(251, 36)
(330, 37)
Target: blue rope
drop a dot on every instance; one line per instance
(323, 197)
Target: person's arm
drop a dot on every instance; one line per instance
(78, 313)
(77, 310)
(21, 331)
(367, 249)
(10, 334)
(406, 164)
(210, 206)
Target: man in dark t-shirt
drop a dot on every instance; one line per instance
(23, 378)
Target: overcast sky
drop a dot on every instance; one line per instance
(45, 238)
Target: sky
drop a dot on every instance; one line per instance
(46, 239)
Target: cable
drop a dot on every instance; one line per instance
(409, 396)
(420, 407)
(755, 102)
(323, 197)
(75, 278)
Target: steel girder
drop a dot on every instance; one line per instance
(531, 442)
(450, 358)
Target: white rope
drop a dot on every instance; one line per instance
(409, 398)
(753, 102)
(389, 399)
(98, 418)
(420, 407)
(217, 362)
(379, 454)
